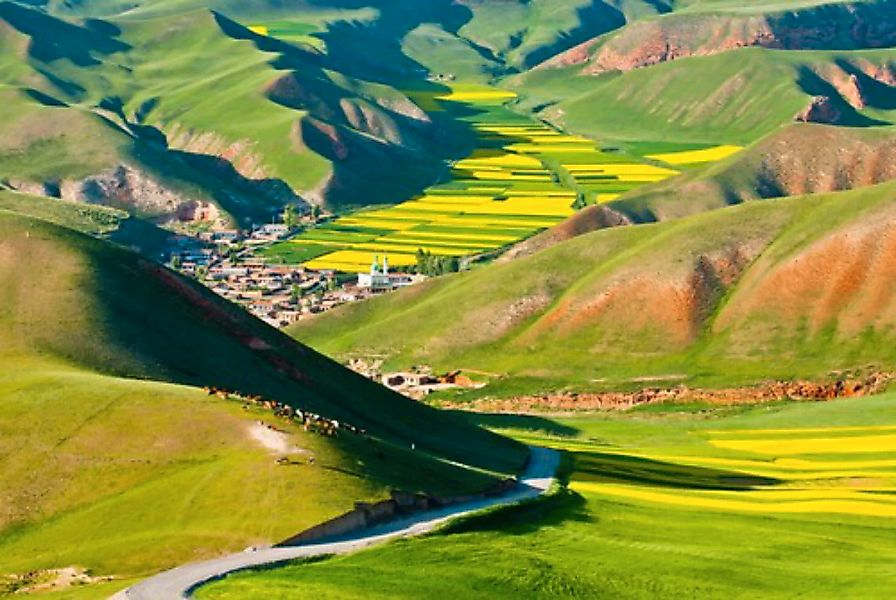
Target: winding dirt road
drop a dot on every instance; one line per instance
(178, 583)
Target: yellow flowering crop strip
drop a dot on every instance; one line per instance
(426, 243)
(853, 503)
(693, 157)
(507, 183)
(817, 445)
(487, 238)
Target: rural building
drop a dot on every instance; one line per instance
(380, 280)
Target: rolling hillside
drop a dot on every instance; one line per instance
(722, 72)
(109, 440)
(199, 117)
(146, 422)
(766, 501)
(220, 112)
(799, 159)
(775, 289)
(738, 96)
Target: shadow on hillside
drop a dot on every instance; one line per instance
(376, 145)
(247, 200)
(876, 94)
(54, 39)
(531, 423)
(568, 505)
(549, 511)
(634, 470)
(814, 85)
(594, 19)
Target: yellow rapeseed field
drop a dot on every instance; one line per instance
(822, 501)
(477, 95)
(476, 237)
(696, 156)
(818, 445)
(358, 261)
(507, 183)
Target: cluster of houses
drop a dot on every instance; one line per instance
(226, 261)
(279, 295)
(416, 383)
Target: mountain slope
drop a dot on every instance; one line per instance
(717, 28)
(209, 111)
(109, 441)
(738, 96)
(801, 159)
(782, 288)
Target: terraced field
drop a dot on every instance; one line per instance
(522, 177)
(668, 501)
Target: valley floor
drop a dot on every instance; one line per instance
(777, 500)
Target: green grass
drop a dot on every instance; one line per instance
(95, 220)
(204, 83)
(756, 172)
(732, 97)
(107, 439)
(293, 253)
(582, 542)
(534, 321)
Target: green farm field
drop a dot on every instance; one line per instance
(768, 501)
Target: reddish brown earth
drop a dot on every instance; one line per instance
(660, 304)
(846, 280)
(584, 221)
(847, 26)
(820, 110)
(801, 159)
(768, 392)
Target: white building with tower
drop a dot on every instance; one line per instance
(379, 279)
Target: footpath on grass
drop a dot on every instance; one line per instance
(178, 583)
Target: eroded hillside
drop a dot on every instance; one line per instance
(781, 288)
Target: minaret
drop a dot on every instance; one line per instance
(374, 266)
(385, 265)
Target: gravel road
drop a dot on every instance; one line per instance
(177, 584)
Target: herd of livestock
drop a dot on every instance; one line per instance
(311, 422)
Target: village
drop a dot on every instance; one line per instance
(229, 262)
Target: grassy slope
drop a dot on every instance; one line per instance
(583, 543)
(655, 300)
(799, 159)
(147, 474)
(204, 82)
(526, 33)
(734, 97)
(95, 220)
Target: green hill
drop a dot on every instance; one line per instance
(738, 96)
(780, 288)
(245, 107)
(800, 159)
(198, 104)
(109, 441)
(664, 501)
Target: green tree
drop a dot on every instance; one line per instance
(291, 217)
